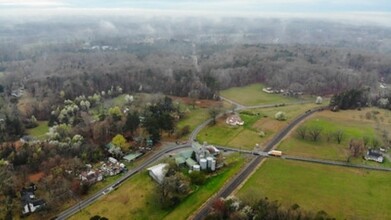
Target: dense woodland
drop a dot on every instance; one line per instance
(65, 73)
(318, 71)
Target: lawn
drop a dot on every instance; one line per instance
(245, 137)
(193, 118)
(253, 95)
(352, 125)
(137, 199)
(40, 130)
(344, 193)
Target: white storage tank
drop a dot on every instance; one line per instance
(213, 166)
(209, 160)
(196, 167)
(203, 164)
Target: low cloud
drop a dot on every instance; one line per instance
(32, 3)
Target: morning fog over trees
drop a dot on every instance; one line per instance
(97, 84)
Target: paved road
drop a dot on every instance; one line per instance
(237, 105)
(335, 163)
(83, 204)
(247, 170)
(305, 159)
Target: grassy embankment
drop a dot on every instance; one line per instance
(137, 198)
(344, 193)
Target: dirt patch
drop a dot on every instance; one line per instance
(18, 144)
(36, 177)
(202, 103)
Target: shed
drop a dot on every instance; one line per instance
(179, 160)
(186, 153)
(190, 162)
(158, 172)
(131, 157)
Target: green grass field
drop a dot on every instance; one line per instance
(246, 136)
(193, 118)
(253, 95)
(352, 125)
(40, 130)
(344, 193)
(137, 198)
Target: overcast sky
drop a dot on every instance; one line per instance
(378, 11)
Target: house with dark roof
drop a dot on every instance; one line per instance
(374, 155)
(30, 203)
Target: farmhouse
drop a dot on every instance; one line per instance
(234, 120)
(30, 203)
(158, 172)
(374, 155)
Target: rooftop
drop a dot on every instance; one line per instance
(132, 156)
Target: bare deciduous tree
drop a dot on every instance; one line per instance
(315, 133)
(356, 147)
(301, 132)
(338, 135)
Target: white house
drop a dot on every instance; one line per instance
(234, 120)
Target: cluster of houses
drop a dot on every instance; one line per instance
(110, 168)
(87, 46)
(30, 203)
(200, 157)
(289, 92)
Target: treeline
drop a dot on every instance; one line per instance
(300, 68)
(350, 99)
(360, 97)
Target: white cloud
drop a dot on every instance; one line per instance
(32, 3)
(206, 8)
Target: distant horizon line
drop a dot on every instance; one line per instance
(352, 17)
